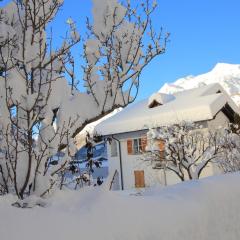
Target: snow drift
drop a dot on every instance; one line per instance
(199, 210)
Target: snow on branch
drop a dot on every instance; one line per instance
(230, 143)
(188, 149)
(117, 51)
(40, 114)
(31, 78)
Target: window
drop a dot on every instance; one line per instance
(114, 148)
(154, 104)
(136, 146)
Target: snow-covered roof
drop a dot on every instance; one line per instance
(198, 104)
(159, 99)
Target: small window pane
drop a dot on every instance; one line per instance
(135, 146)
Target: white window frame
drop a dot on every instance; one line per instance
(136, 146)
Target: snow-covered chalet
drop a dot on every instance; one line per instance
(207, 105)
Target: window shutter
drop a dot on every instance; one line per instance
(139, 179)
(143, 143)
(130, 147)
(161, 145)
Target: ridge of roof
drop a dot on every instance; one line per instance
(197, 104)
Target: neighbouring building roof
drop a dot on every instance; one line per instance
(199, 104)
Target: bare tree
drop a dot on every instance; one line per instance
(188, 149)
(120, 43)
(40, 113)
(32, 74)
(230, 144)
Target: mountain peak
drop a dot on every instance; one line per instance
(227, 75)
(226, 67)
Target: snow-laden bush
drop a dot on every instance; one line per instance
(40, 113)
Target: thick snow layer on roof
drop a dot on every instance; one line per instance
(199, 104)
(160, 98)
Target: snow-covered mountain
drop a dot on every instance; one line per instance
(228, 75)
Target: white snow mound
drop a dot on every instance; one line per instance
(199, 210)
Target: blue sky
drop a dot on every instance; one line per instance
(203, 33)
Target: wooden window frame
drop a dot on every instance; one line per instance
(136, 146)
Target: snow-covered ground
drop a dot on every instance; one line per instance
(197, 210)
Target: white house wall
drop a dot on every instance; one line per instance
(130, 163)
(219, 120)
(114, 163)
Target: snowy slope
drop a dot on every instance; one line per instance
(228, 75)
(207, 209)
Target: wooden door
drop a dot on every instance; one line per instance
(139, 179)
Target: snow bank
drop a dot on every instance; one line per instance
(197, 210)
